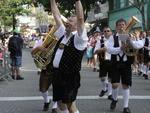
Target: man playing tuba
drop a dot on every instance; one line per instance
(45, 79)
(121, 64)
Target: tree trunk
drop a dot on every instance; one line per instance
(85, 15)
(144, 27)
(14, 21)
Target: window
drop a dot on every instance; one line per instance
(131, 2)
(122, 3)
(115, 4)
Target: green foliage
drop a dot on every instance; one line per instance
(67, 6)
(12, 7)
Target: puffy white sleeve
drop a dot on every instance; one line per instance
(81, 41)
(110, 47)
(137, 44)
(60, 31)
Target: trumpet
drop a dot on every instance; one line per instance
(130, 51)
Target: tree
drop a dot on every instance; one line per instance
(41, 17)
(67, 9)
(139, 4)
(10, 8)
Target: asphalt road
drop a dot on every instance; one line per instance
(24, 97)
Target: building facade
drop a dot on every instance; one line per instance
(98, 15)
(125, 9)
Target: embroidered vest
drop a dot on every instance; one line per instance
(71, 58)
(102, 55)
(146, 44)
(116, 44)
(130, 59)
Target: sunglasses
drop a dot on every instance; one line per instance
(107, 31)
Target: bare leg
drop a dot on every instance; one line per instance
(18, 77)
(13, 72)
(72, 108)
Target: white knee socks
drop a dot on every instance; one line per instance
(54, 105)
(126, 93)
(104, 85)
(45, 96)
(65, 111)
(109, 88)
(115, 93)
(77, 111)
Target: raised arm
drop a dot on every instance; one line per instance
(80, 17)
(56, 13)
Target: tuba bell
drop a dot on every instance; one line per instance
(43, 58)
(130, 51)
(133, 21)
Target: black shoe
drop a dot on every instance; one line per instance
(19, 78)
(113, 104)
(94, 69)
(13, 77)
(110, 97)
(54, 110)
(46, 106)
(139, 73)
(39, 72)
(126, 110)
(102, 93)
(146, 77)
(98, 70)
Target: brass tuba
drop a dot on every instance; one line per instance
(130, 51)
(43, 58)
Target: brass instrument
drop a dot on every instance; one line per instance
(130, 51)
(133, 21)
(43, 58)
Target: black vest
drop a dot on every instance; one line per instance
(146, 42)
(71, 58)
(102, 55)
(130, 59)
(116, 44)
(146, 45)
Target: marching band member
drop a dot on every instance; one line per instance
(105, 64)
(146, 53)
(66, 61)
(121, 64)
(45, 80)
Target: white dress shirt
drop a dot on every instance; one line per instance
(80, 43)
(98, 46)
(137, 44)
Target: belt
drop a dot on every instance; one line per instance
(55, 69)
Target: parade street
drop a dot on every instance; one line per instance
(23, 96)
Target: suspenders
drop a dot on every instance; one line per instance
(102, 55)
(116, 44)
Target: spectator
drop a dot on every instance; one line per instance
(15, 46)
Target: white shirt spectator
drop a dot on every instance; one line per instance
(98, 46)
